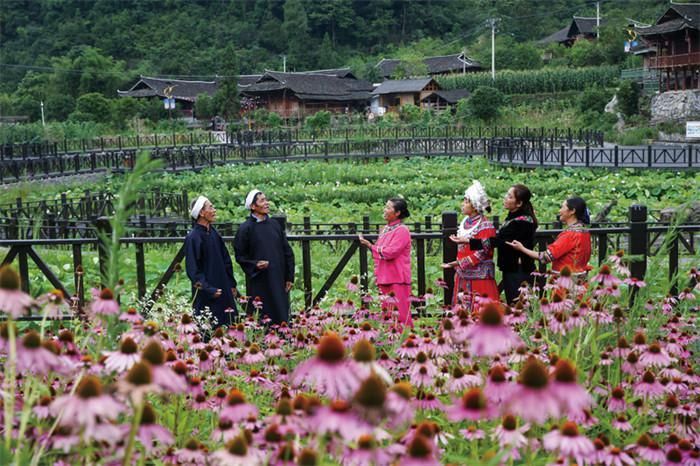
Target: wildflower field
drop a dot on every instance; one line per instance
(575, 373)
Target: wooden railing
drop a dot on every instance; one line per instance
(669, 61)
(640, 239)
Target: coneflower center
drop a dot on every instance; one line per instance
(31, 340)
(491, 315)
(618, 393)
(128, 346)
(648, 377)
(569, 429)
(284, 407)
(403, 389)
(307, 457)
(139, 374)
(654, 348)
(509, 422)
(364, 351)
(235, 397)
(331, 349)
(89, 387)
(153, 353)
(674, 455)
(474, 399)
(9, 278)
(534, 374)
(372, 392)
(565, 372)
(498, 374)
(237, 446)
(419, 447)
(148, 416)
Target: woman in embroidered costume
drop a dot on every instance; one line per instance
(474, 269)
(520, 224)
(392, 259)
(572, 248)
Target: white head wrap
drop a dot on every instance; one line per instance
(197, 207)
(477, 196)
(249, 198)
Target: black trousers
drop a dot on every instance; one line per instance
(512, 281)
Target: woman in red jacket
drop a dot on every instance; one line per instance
(474, 269)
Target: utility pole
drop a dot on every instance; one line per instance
(284, 63)
(492, 22)
(597, 20)
(43, 121)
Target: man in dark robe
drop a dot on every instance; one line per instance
(262, 250)
(209, 265)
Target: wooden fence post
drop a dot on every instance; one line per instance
(638, 241)
(449, 251)
(306, 264)
(364, 268)
(103, 229)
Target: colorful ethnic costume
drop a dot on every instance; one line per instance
(475, 271)
(516, 266)
(572, 248)
(392, 267)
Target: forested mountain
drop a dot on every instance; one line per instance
(191, 37)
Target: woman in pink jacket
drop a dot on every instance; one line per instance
(392, 258)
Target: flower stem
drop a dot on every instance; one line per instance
(10, 369)
(138, 412)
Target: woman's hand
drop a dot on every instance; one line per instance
(448, 265)
(365, 242)
(515, 244)
(458, 240)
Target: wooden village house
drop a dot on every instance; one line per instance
(184, 92)
(438, 65)
(671, 47)
(580, 28)
(393, 94)
(443, 100)
(300, 94)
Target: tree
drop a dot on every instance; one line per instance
(204, 106)
(411, 65)
(92, 107)
(226, 102)
(485, 103)
(296, 31)
(628, 98)
(585, 53)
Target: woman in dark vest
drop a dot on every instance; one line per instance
(520, 225)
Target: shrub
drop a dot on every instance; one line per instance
(409, 113)
(485, 103)
(594, 98)
(628, 98)
(585, 53)
(273, 120)
(638, 136)
(320, 119)
(92, 107)
(204, 107)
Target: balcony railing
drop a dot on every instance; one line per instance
(683, 59)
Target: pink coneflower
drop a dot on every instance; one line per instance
(237, 452)
(37, 357)
(533, 399)
(104, 303)
(566, 389)
(164, 376)
(654, 355)
(398, 402)
(131, 315)
(648, 387)
(13, 301)
(150, 434)
(428, 401)
(236, 408)
(86, 406)
(617, 403)
(497, 388)
(439, 282)
(563, 279)
(367, 453)
(422, 371)
(54, 303)
(605, 277)
(122, 360)
(569, 443)
(473, 406)
(352, 284)
(420, 452)
(339, 418)
(491, 336)
(459, 381)
(686, 295)
(508, 434)
(472, 433)
(192, 454)
(364, 355)
(614, 456)
(186, 325)
(621, 423)
(633, 282)
(253, 355)
(409, 349)
(329, 371)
